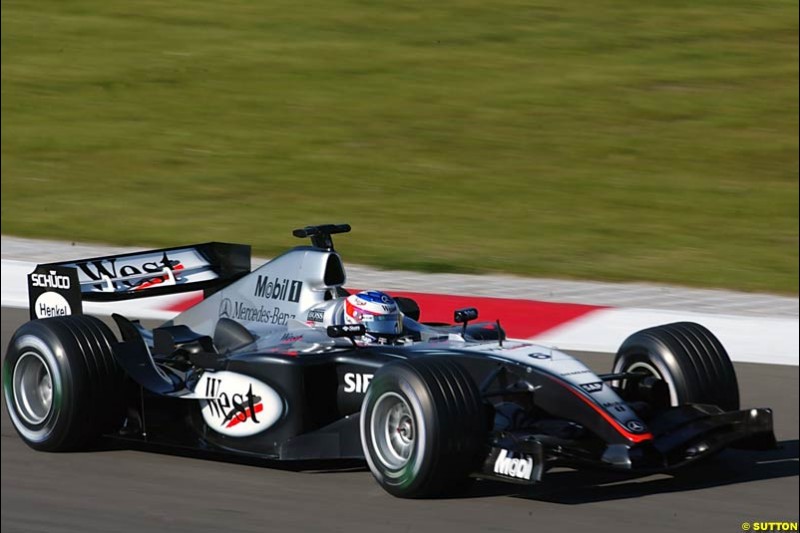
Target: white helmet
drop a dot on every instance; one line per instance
(377, 311)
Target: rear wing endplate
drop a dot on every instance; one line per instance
(58, 289)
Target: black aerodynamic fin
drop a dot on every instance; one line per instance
(54, 290)
(134, 357)
(58, 289)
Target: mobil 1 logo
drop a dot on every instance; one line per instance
(54, 291)
(273, 288)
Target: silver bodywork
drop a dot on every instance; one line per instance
(276, 301)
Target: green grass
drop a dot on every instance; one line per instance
(613, 140)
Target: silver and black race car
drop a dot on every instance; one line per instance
(260, 369)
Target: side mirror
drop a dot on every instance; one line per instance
(462, 316)
(347, 330)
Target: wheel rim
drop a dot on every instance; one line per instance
(640, 367)
(33, 388)
(393, 430)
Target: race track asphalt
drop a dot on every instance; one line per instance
(126, 490)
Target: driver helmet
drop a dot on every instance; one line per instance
(377, 311)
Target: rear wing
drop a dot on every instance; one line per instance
(57, 289)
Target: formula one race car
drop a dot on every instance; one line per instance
(261, 368)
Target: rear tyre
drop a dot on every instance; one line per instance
(423, 427)
(61, 382)
(688, 358)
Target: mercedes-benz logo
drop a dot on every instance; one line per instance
(634, 425)
(225, 308)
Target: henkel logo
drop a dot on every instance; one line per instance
(238, 405)
(520, 468)
(278, 289)
(50, 304)
(50, 280)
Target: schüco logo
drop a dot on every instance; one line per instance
(278, 289)
(50, 304)
(519, 468)
(50, 280)
(238, 405)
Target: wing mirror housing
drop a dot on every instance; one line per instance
(350, 331)
(463, 317)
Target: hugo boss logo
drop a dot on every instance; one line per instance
(316, 315)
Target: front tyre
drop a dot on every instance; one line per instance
(61, 382)
(688, 358)
(423, 426)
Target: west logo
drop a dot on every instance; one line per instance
(278, 289)
(97, 270)
(237, 405)
(235, 408)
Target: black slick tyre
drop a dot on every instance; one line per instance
(61, 382)
(423, 427)
(688, 358)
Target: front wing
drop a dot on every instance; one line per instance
(681, 435)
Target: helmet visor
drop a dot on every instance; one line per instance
(389, 324)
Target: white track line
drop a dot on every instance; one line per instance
(755, 339)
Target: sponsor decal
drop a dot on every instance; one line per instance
(617, 406)
(246, 312)
(538, 355)
(238, 405)
(576, 372)
(50, 304)
(278, 289)
(51, 280)
(225, 308)
(519, 468)
(100, 269)
(289, 338)
(636, 426)
(596, 386)
(356, 383)
(316, 315)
